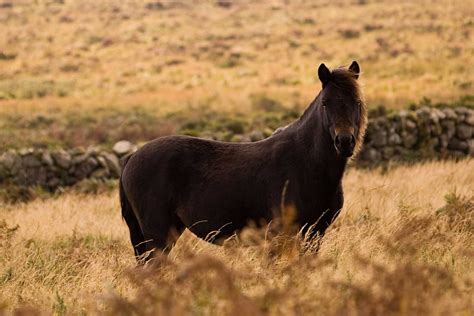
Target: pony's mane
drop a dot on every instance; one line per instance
(344, 79)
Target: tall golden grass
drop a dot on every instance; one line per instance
(87, 54)
(403, 244)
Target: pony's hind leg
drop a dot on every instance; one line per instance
(160, 231)
(160, 244)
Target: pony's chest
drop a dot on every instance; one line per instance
(313, 198)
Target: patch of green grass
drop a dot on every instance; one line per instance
(466, 101)
(11, 193)
(261, 102)
(7, 56)
(33, 88)
(59, 306)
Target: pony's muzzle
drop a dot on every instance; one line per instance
(344, 144)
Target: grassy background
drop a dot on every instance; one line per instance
(134, 52)
(85, 72)
(72, 71)
(399, 247)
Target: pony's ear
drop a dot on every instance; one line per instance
(324, 74)
(354, 67)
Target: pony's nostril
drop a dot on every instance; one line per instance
(344, 142)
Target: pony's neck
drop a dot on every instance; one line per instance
(315, 141)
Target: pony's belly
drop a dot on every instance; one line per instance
(211, 229)
(210, 225)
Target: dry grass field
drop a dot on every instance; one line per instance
(83, 72)
(141, 52)
(96, 64)
(402, 245)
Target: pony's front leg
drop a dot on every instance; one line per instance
(314, 232)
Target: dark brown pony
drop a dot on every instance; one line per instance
(179, 182)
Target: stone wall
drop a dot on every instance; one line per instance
(406, 135)
(54, 168)
(421, 134)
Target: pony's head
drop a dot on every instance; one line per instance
(345, 114)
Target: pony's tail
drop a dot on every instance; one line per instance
(136, 235)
